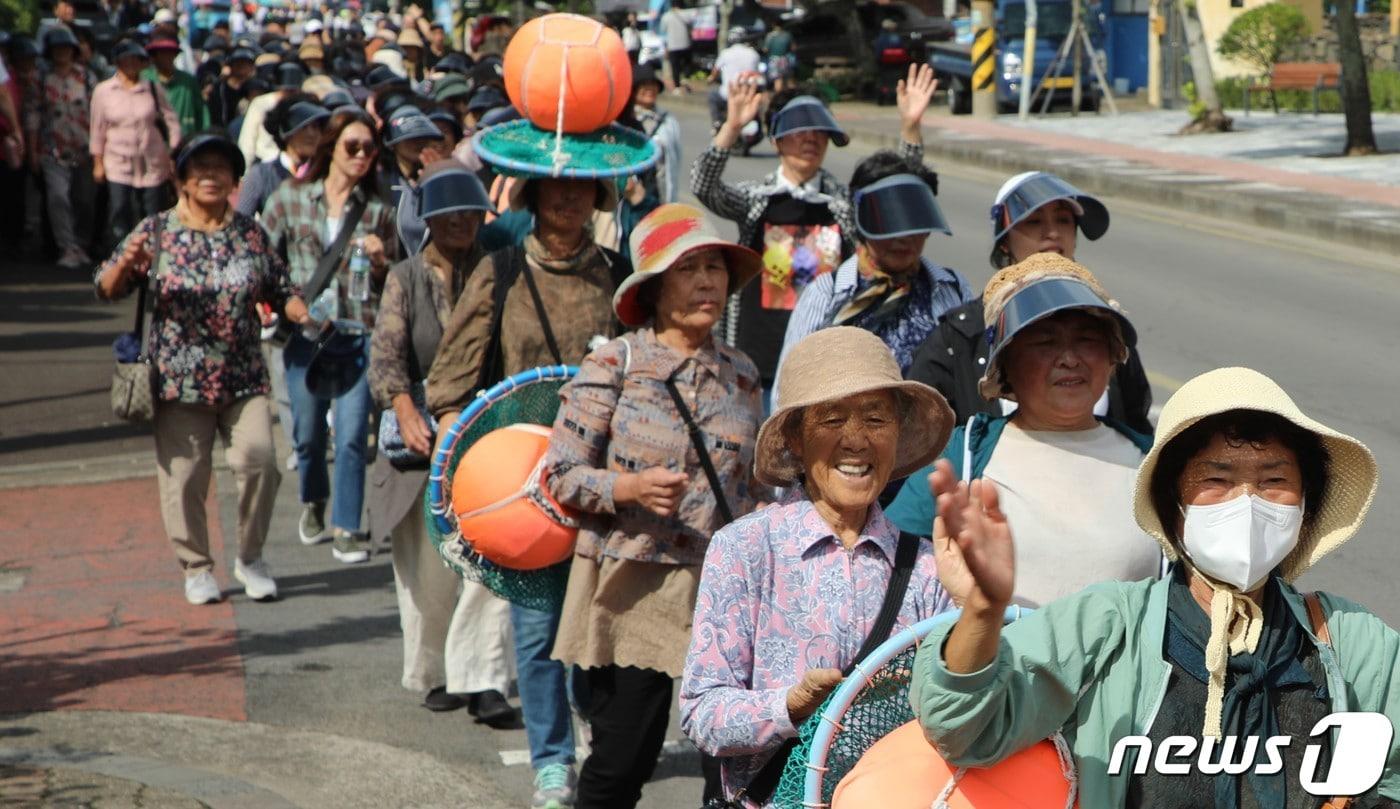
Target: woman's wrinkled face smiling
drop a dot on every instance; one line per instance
(848, 448)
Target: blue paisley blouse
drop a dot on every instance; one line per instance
(205, 329)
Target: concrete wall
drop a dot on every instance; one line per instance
(1216, 16)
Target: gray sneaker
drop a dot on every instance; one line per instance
(349, 547)
(554, 787)
(312, 526)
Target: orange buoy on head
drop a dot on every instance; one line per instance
(569, 60)
(503, 508)
(904, 771)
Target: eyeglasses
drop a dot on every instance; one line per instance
(355, 148)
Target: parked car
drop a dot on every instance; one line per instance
(825, 33)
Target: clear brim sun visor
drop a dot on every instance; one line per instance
(1041, 190)
(901, 205)
(807, 114)
(1045, 298)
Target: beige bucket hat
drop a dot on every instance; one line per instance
(843, 361)
(665, 236)
(1352, 479)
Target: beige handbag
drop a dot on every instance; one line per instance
(134, 379)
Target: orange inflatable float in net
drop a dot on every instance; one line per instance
(503, 508)
(904, 771)
(564, 68)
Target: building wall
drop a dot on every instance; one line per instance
(1216, 16)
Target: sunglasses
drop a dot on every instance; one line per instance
(355, 148)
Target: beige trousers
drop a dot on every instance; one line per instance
(455, 632)
(185, 460)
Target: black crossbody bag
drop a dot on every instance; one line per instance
(761, 787)
(330, 261)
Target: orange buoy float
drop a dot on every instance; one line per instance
(503, 508)
(568, 61)
(904, 771)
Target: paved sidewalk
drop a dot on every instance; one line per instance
(1269, 175)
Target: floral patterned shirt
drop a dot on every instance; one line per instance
(780, 595)
(56, 114)
(204, 327)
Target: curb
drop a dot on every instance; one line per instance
(1290, 210)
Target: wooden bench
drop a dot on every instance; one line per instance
(1314, 76)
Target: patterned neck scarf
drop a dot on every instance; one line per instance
(883, 295)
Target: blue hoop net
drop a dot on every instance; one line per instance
(529, 397)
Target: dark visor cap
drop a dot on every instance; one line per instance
(451, 191)
(1043, 299)
(898, 205)
(210, 142)
(1040, 190)
(806, 114)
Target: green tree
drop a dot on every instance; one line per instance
(1261, 36)
(19, 15)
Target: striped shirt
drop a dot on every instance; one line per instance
(934, 291)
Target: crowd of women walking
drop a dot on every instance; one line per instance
(780, 449)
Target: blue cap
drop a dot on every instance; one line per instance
(409, 123)
(301, 115)
(127, 48)
(486, 98)
(452, 189)
(807, 114)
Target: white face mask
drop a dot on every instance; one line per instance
(1240, 541)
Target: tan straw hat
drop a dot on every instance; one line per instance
(1352, 472)
(410, 38)
(843, 361)
(664, 237)
(1236, 621)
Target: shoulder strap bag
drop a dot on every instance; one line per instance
(1317, 616)
(134, 380)
(697, 439)
(761, 787)
(330, 261)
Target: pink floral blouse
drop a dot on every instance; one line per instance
(779, 595)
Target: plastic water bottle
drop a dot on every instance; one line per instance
(322, 311)
(359, 274)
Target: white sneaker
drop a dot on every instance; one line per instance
(202, 589)
(72, 259)
(257, 581)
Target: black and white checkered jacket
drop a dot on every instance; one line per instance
(745, 202)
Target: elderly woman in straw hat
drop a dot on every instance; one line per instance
(1065, 476)
(651, 492)
(790, 592)
(1245, 493)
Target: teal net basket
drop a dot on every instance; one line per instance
(872, 702)
(529, 397)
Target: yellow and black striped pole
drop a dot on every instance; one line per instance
(984, 59)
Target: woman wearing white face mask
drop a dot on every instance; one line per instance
(1246, 493)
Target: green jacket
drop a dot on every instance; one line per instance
(185, 100)
(914, 508)
(1090, 665)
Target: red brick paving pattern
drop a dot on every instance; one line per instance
(100, 621)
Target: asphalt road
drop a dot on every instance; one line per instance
(1318, 318)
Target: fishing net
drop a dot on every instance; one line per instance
(881, 706)
(529, 397)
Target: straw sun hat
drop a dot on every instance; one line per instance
(1352, 477)
(1236, 621)
(832, 364)
(664, 237)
